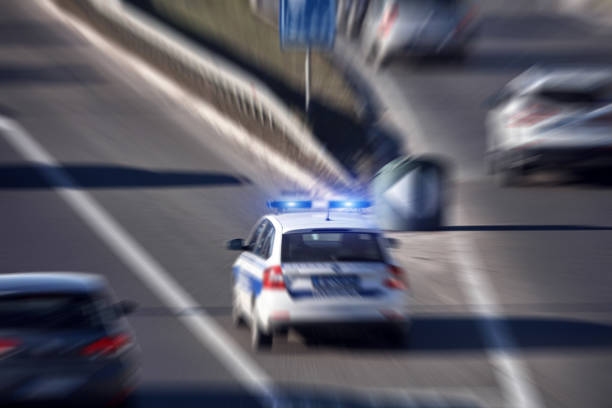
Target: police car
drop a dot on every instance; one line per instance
(303, 267)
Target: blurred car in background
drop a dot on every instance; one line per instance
(64, 342)
(558, 118)
(418, 28)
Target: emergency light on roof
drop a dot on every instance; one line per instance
(290, 204)
(301, 205)
(349, 204)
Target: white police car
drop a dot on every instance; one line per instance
(301, 267)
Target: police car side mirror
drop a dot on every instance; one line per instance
(125, 307)
(236, 245)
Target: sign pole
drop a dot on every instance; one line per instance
(307, 78)
(304, 24)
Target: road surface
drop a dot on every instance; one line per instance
(180, 190)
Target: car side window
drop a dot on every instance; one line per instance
(268, 241)
(256, 234)
(263, 238)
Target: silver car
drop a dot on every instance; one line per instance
(417, 27)
(556, 118)
(64, 342)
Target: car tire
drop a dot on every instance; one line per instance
(237, 318)
(259, 339)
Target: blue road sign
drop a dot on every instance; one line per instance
(307, 23)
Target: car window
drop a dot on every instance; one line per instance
(331, 247)
(265, 250)
(256, 234)
(264, 239)
(51, 311)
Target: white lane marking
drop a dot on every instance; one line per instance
(142, 264)
(511, 372)
(265, 157)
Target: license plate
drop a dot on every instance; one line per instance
(336, 285)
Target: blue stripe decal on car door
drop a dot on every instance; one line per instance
(256, 285)
(253, 284)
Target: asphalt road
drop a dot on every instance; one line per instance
(546, 248)
(180, 190)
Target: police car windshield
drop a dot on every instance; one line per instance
(332, 246)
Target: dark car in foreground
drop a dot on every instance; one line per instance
(64, 342)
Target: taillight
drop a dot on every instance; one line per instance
(8, 345)
(388, 20)
(273, 278)
(397, 280)
(106, 346)
(532, 115)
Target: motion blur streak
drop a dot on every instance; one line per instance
(141, 263)
(199, 108)
(512, 374)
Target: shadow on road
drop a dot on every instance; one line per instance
(526, 27)
(323, 397)
(496, 61)
(484, 61)
(456, 334)
(99, 176)
(527, 228)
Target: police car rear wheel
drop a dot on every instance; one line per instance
(259, 339)
(237, 319)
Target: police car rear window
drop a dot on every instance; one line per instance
(333, 246)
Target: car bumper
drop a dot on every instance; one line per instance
(277, 314)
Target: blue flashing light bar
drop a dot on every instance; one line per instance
(350, 204)
(290, 204)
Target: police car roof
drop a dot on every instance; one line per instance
(294, 221)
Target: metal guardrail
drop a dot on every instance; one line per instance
(249, 95)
